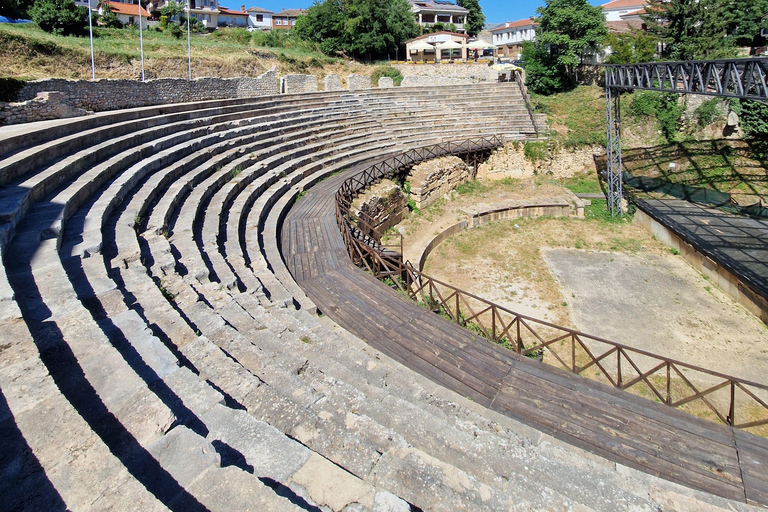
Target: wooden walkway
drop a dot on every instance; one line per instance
(614, 424)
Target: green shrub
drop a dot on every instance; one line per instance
(380, 71)
(164, 21)
(663, 106)
(754, 118)
(535, 151)
(61, 17)
(175, 30)
(9, 88)
(707, 112)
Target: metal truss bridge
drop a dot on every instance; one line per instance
(733, 78)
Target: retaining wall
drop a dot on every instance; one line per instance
(448, 74)
(107, 94)
(505, 210)
(726, 281)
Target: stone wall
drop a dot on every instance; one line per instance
(424, 81)
(106, 94)
(296, 84)
(386, 82)
(46, 105)
(449, 74)
(432, 179)
(381, 206)
(357, 82)
(332, 83)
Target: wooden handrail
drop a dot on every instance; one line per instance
(670, 381)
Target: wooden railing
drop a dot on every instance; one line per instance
(709, 394)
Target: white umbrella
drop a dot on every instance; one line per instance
(450, 45)
(421, 45)
(479, 45)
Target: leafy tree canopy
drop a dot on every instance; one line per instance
(691, 29)
(15, 9)
(631, 47)
(60, 17)
(568, 30)
(743, 21)
(171, 9)
(475, 18)
(358, 27)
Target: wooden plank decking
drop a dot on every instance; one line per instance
(614, 424)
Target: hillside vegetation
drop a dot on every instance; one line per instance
(30, 53)
(692, 139)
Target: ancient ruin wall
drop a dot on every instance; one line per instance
(296, 84)
(432, 179)
(381, 206)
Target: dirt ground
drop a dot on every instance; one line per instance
(610, 279)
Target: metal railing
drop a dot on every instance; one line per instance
(731, 400)
(735, 78)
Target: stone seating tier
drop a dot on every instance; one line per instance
(161, 355)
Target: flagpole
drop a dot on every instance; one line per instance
(141, 42)
(189, 48)
(90, 36)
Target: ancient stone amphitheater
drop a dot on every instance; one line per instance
(157, 354)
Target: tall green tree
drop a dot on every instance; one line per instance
(631, 47)
(569, 30)
(362, 28)
(475, 18)
(691, 29)
(743, 21)
(15, 9)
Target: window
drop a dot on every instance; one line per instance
(278, 21)
(259, 17)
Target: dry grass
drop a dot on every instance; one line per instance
(28, 52)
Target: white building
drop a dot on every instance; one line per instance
(260, 19)
(617, 8)
(429, 12)
(509, 37)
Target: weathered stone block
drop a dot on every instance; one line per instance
(386, 81)
(357, 82)
(332, 83)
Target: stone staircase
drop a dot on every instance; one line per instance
(157, 354)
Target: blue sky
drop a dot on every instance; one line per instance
(496, 11)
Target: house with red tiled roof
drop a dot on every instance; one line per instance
(508, 38)
(128, 14)
(232, 18)
(617, 8)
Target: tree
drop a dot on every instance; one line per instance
(568, 30)
(475, 18)
(743, 21)
(542, 74)
(60, 17)
(691, 29)
(171, 9)
(631, 47)
(15, 9)
(369, 28)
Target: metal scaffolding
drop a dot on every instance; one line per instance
(734, 78)
(613, 150)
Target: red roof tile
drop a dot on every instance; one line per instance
(127, 9)
(515, 24)
(618, 4)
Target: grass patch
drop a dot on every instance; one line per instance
(577, 117)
